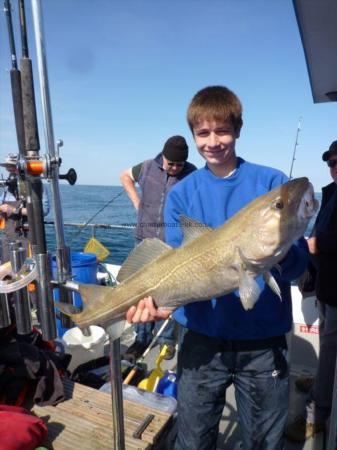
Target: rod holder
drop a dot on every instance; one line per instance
(17, 255)
(45, 302)
(65, 296)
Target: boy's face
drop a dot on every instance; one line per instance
(216, 143)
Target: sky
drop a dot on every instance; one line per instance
(122, 73)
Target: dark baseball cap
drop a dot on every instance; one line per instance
(176, 149)
(332, 151)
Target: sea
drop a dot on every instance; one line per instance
(100, 205)
(95, 205)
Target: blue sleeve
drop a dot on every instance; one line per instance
(45, 200)
(280, 178)
(295, 262)
(173, 210)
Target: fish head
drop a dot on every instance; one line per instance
(281, 216)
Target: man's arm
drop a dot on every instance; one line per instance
(129, 185)
(324, 242)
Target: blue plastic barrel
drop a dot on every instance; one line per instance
(84, 270)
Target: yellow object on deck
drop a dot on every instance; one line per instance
(150, 383)
(96, 247)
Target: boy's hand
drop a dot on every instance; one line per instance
(146, 311)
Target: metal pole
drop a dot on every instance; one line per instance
(21, 300)
(62, 251)
(116, 393)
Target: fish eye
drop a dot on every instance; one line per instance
(279, 204)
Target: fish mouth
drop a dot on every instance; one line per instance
(309, 204)
(299, 195)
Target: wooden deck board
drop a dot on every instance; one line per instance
(84, 420)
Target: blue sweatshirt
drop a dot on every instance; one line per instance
(212, 200)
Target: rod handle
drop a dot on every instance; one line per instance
(29, 110)
(18, 108)
(130, 375)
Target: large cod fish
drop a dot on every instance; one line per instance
(210, 262)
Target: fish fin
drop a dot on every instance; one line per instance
(147, 251)
(90, 292)
(249, 290)
(68, 309)
(272, 283)
(192, 229)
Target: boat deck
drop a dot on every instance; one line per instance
(84, 420)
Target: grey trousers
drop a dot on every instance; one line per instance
(207, 367)
(319, 406)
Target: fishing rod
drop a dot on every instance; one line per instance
(34, 168)
(28, 94)
(295, 147)
(15, 76)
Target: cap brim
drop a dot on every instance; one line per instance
(327, 155)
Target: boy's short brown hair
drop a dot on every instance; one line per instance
(215, 103)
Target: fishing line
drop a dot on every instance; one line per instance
(96, 214)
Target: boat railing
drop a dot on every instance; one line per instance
(94, 225)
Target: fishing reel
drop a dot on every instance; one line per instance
(11, 183)
(50, 165)
(35, 165)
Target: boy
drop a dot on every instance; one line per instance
(222, 343)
